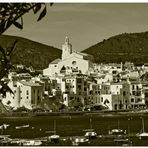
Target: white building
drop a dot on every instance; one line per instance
(26, 94)
(71, 62)
(74, 90)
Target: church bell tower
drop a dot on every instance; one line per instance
(66, 49)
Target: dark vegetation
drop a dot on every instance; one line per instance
(29, 53)
(132, 47)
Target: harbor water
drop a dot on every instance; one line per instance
(75, 125)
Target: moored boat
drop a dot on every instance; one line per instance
(90, 133)
(23, 126)
(54, 138)
(31, 143)
(77, 140)
(117, 132)
(142, 134)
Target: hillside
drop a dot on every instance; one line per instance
(30, 53)
(131, 47)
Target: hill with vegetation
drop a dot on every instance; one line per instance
(131, 47)
(30, 53)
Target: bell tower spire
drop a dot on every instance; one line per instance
(66, 40)
(66, 48)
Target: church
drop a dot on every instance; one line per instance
(70, 62)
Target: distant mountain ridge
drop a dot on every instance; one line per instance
(30, 53)
(132, 47)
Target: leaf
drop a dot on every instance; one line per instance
(18, 25)
(12, 48)
(8, 23)
(22, 21)
(43, 13)
(37, 8)
(2, 26)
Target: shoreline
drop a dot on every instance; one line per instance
(77, 113)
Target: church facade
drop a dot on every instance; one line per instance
(70, 62)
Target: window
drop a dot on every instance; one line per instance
(91, 92)
(85, 89)
(79, 86)
(27, 92)
(137, 87)
(65, 98)
(132, 99)
(38, 99)
(27, 97)
(146, 94)
(133, 87)
(71, 98)
(74, 63)
(14, 91)
(79, 80)
(115, 106)
(78, 99)
(8, 102)
(124, 93)
(101, 99)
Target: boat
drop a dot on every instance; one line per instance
(90, 134)
(5, 140)
(4, 126)
(122, 141)
(22, 127)
(54, 138)
(142, 134)
(117, 131)
(16, 142)
(32, 143)
(77, 140)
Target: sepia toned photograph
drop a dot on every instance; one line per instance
(73, 74)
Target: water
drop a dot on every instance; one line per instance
(75, 126)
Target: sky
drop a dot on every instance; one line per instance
(84, 23)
